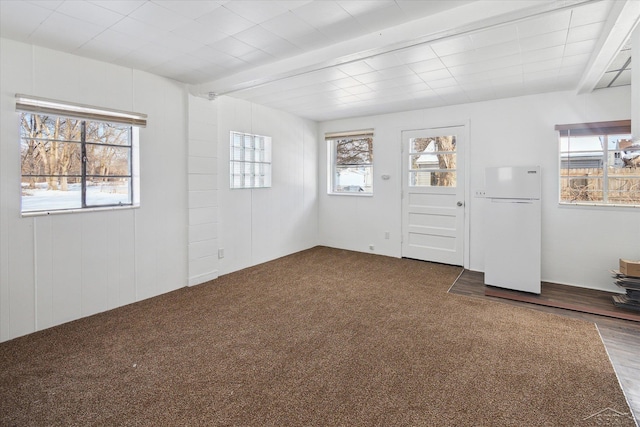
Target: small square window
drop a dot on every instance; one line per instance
(249, 160)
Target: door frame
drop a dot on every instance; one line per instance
(466, 246)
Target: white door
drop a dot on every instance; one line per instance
(433, 203)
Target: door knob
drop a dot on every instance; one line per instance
(460, 203)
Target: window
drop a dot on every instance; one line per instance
(249, 161)
(432, 161)
(76, 157)
(599, 164)
(350, 162)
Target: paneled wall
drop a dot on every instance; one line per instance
(62, 267)
(258, 225)
(579, 244)
(203, 190)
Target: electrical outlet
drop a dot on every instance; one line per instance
(220, 253)
(387, 235)
(371, 247)
(479, 193)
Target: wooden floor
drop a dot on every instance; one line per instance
(621, 337)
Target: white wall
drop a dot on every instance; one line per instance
(258, 225)
(203, 190)
(57, 268)
(579, 244)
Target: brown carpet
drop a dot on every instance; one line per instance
(323, 337)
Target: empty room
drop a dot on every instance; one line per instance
(319, 212)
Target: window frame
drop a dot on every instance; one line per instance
(332, 139)
(84, 116)
(595, 129)
(264, 161)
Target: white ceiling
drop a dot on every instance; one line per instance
(333, 59)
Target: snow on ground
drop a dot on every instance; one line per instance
(41, 199)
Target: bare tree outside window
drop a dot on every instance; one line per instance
(433, 161)
(352, 169)
(69, 163)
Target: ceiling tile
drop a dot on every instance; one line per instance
(200, 33)
(482, 54)
(312, 40)
(135, 28)
(417, 53)
(620, 60)
(90, 12)
(402, 73)
(591, 13)
(578, 48)
(623, 79)
(383, 84)
(281, 49)
(346, 82)
(555, 38)
(549, 23)
(493, 36)
(109, 45)
(225, 21)
(123, 7)
(361, 7)
(542, 54)
(428, 65)
(48, 4)
(256, 57)
(414, 8)
(257, 36)
(435, 75)
(533, 67)
(478, 67)
(355, 68)
(383, 62)
(259, 11)
(218, 58)
(543, 76)
(359, 90)
(325, 13)
(288, 26)
(76, 33)
(159, 17)
(576, 60)
(383, 17)
(416, 87)
(371, 77)
(585, 32)
(606, 80)
(192, 9)
(339, 32)
(31, 16)
(232, 46)
(453, 46)
(438, 84)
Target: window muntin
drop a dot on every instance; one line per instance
(351, 163)
(432, 161)
(69, 163)
(249, 160)
(599, 165)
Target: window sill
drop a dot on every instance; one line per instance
(351, 194)
(596, 205)
(79, 210)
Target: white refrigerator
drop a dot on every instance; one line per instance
(513, 228)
